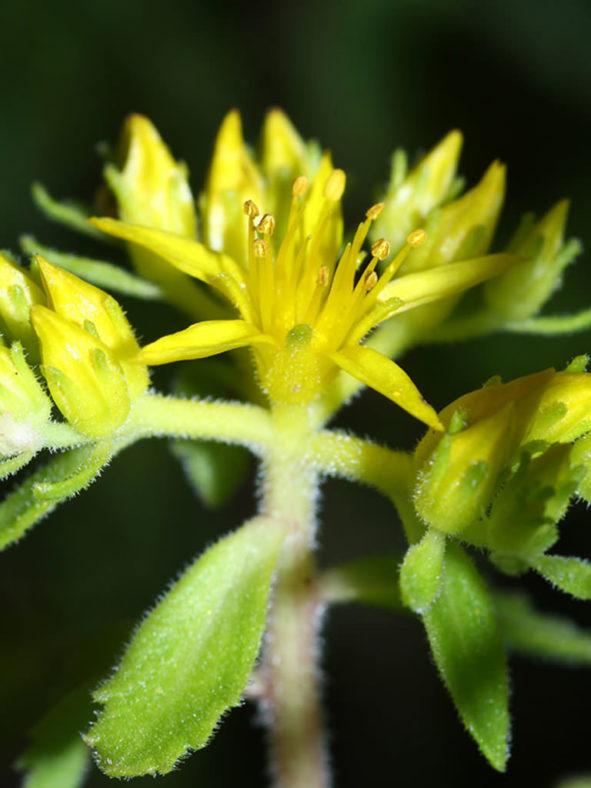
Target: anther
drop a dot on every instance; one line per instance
(267, 224)
(416, 238)
(381, 248)
(251, 209)
(260, 248)
(375, 210)
(371, 281)
(335, 185)
(300, 186)
(323, 276)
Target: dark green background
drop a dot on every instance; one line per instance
(515, 76)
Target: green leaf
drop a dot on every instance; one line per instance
(468, 651)
(57, 756)
(572, 575)
(62, 477)
(528, 631)
(421, 573)
(99, 272)
(371, 580)
(190, 659)
(214, 470)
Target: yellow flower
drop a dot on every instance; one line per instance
(303, 310)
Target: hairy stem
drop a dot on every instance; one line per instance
(290, 675)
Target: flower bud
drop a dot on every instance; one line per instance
(285, 157)
(463, 228)
(520, 292)
(95, 311)
(410, 198)
(151, 188)
(487, 431)
(85, 380)
(18, 292)
(24, 405)
(457, 480)
(233, 179)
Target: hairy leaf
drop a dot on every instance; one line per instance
(190, 659)
(469, 654)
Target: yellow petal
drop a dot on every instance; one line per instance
(191, 257)
(284, 151)
(386, 377)
(200, 340)
(422, 287)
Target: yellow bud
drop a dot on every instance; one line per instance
(522, 291)
(546, 408)
(232, 180)
(464, 228)
(457, 480)
(151, 188)
(91, 309)
(24, 406)
(85, 380)
(18, 293)
(283, 150)
(411, 198)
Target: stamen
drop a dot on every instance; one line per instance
(260, 248)
(300, 186)
(416, 238)
(267, 224)
(335, 185)
(381, 249)
(375, 210)
(251, 209)
(323, 276)
(371, 281)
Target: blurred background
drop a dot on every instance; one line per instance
(363, 78)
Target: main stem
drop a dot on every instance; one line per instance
(291, 695)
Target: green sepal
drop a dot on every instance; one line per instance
(99, 272)
(70, 214)
(421, 573)
(371, 580)
(214, 470)
(190, 658)
(57, 756)
(569, 574)
(33, 499)
(14, 464)
(95, 459)
(468, 651)
(528, 631)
